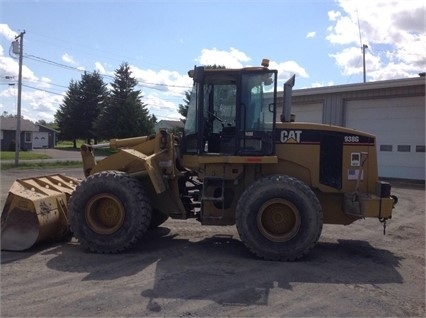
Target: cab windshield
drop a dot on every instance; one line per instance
(232, 113)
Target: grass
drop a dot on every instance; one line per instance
(69, 145)
(23, 155)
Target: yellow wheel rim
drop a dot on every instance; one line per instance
(105, 213)
(278, 220)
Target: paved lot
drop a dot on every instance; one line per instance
(183, 269)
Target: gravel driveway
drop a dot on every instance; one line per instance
(183, 269)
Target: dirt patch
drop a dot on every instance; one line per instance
(183, 269)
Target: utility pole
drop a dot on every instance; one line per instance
(18, 118)
(364, 46)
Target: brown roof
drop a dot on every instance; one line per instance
(9, 123)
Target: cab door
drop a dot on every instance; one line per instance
(257, 113)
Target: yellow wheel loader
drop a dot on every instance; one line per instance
(238, 162)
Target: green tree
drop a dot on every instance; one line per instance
(81, 107)
(66, 116)
(183, 108)
(153, 120)
(93, 93)
(124, 115)
(7, 115)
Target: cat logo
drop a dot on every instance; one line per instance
(290, 136)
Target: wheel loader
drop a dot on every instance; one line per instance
(238, 162)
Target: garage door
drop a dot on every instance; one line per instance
(308, 112)
(40, 140)
(399, 125)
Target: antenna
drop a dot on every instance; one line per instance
(359, 28)
(363, 46)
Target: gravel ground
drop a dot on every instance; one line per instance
(183, 269)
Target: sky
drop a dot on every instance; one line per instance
(318, 40)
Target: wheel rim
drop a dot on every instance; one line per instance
(278, 220)
(105, 213)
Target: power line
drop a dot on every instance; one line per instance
(140, 83)
(86, 48)
(46, 61)
(41, 89)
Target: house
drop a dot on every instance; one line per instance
(168, 125)
(45, 137)
(32, 135)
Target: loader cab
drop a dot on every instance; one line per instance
(231, 112)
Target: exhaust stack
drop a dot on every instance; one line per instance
(286, 115)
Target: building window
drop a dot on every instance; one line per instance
(1, 134)
(404, 148)
(386, 147)
(420, 148)
(27, 136)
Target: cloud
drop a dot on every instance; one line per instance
(287, 69)
(44, 83)
(9, 66)
(345, 31)
(100, 68)
(311, 34)
(10, 91)
(230, 59)
(161, 107)
(162, 90)
(36, 103)
(164, 80)
(350, 61)
(393, 30)
(334, 15)
(7, 32)
(28, 74)
(68, 59)
(235, 58)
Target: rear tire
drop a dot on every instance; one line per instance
(109, 212)
(279, 218)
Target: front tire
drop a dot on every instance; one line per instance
(279, 218)
(109, 212)
(157, 219)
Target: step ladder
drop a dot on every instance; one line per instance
(209, 183)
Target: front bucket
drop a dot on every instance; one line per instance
(36, 210)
